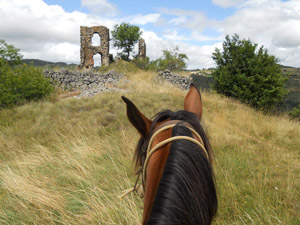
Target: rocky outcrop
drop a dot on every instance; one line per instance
(88, 82)
(180, 81)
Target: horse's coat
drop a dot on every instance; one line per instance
(180, 187)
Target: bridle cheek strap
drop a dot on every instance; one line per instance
(150, 152)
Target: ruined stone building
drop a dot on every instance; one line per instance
(142, 49)
(87, 50)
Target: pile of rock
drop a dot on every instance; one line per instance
(87, 82)
(180, 81)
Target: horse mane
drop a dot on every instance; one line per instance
(186, 192)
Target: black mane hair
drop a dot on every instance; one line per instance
(186, 192)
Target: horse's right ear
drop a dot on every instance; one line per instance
(137, 119)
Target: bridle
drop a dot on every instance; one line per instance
(151, 150)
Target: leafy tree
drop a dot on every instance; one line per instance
(248, 73)
(10, 54)
(172, 59)
(125, 36)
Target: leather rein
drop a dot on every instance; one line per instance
(151, 150)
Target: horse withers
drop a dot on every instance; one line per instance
(174, 158)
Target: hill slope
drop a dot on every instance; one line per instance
(66, 162)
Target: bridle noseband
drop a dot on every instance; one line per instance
(151, 150)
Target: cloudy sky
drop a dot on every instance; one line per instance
(49, 29)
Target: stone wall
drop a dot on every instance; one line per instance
(88, 82)
(180, 81)
(200, 80)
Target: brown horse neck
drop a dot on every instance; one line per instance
(156, 166)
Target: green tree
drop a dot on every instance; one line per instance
(125, 36)
(10, 54)
(248, 73)
(172, 59)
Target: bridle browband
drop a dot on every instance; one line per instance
(150, 151)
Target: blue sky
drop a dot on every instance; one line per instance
(127, 8)
(49, 29)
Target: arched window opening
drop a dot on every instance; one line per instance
(97, 60)
(96, 40)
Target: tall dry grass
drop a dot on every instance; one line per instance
(66, 162)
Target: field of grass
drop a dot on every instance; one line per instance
(67, 161)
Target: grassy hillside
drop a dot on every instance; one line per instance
(65, 162)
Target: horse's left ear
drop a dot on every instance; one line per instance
(193, 102)
(137, 119)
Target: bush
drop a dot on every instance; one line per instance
(141, 63)
(250, 75)
(295, 113)
(21, 84)
(171, 60)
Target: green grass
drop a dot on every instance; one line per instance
(67, 161)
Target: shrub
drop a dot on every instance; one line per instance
(171, 60)
(295, 113)
(250, 75)
(141, 63)
(21, 84)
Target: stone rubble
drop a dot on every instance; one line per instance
(87, 82)
(180, 81)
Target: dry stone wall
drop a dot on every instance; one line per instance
(88, 82)
(180, 81)
(200, 80)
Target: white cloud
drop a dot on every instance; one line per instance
(100, 7)
(199, 56)
(140, 19)
(227, 3)
(55, 52)
(179, 20)
(189, 19)
(48, 32)
(271, 23)
(172, 34)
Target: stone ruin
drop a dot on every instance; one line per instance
(142, 49)
(87, 50)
